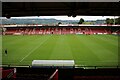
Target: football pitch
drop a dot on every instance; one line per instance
(85, 50)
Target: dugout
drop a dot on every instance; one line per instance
(53, 63)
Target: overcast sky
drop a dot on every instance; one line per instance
(69, 18)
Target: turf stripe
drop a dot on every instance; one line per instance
(62, 49)
(86, 54)
(44, 51)
(34, 49)
(106, 45)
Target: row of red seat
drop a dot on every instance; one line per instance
(59, 31)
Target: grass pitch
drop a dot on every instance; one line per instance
(87, 50)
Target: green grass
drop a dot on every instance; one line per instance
(91, 50)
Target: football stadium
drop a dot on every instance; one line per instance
(86, 46)
(60, 51)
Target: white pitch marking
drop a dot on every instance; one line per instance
(33, 50)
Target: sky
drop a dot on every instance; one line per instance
(67, 18)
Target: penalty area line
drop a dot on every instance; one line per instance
(34, 49)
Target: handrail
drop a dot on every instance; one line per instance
(75, 66)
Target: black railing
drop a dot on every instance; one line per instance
(75, 66)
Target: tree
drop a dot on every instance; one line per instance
(111, 21)
(108, 21)
(81, 21)
(59, 23)
(117, 20)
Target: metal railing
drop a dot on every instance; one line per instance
(75, 66)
